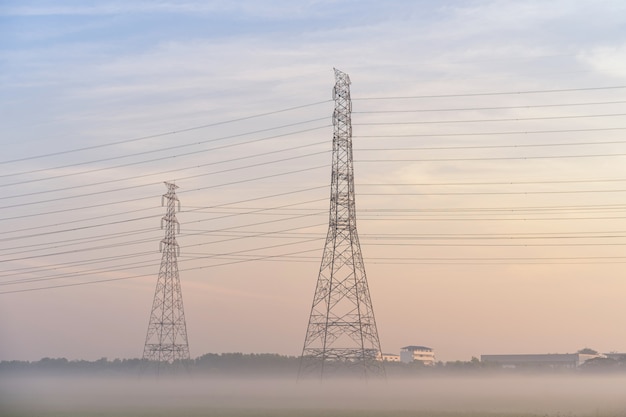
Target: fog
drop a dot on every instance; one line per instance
(538, 395)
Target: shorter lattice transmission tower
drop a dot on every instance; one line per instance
(166, 348)
(341, 336)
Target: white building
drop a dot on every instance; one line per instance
(422, 354)
(389, 357)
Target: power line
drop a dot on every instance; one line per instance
(489, 219)
(70, 242)
(47, 268)
(262, 164)
(453, 209)
(514, 146)
(497, 93)
(118, 267)
(173, 132)
(180, 179)
(83, 249)
(25, 229)
(34, 247)
(141, 265)
(494, 158)
(519, 119)
(509, 235)
(420, 184)
(147, 240)
(366, 210)
(419, 261)
(480, 245)
(417, 236)
(185, 191)
(73, 229)
(166, 149)
(172, 170)
(204, 256)
(126, 141)
(140, 276)
(424, 212)
(238, 232)
(157, 159)
(501, 133)
(489, 108)
(521, 235)
(132, 265)
(255, 234)
(440, 215)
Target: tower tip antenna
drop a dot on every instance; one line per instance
(341, 76)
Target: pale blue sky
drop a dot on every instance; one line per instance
(77, 75)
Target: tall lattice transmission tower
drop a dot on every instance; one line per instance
(342, 337)
(166, 341)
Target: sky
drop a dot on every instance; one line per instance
(489, 171)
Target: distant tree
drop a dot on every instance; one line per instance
(587, 351)
(600, 364)
(241, 363)
(473, 363)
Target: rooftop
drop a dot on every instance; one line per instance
(414, 348)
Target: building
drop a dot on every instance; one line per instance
(422, 354)
(620, 357)
(549, 360)
(389, 357)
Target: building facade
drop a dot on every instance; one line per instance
(389, 357)
(422, 354)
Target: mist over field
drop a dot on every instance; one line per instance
(468, 396)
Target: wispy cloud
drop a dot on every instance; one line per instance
(607, 60)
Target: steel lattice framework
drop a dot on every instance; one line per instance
(166, 341)
(342, 337)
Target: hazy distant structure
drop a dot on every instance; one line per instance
(342, 337)
(166, 341)
(422, 354)
(545, 360)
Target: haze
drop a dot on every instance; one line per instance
(446, 397)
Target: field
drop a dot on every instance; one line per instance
(294, 413)
(536, 396)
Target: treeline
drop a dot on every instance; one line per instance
(267, 364)
(210, 363)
